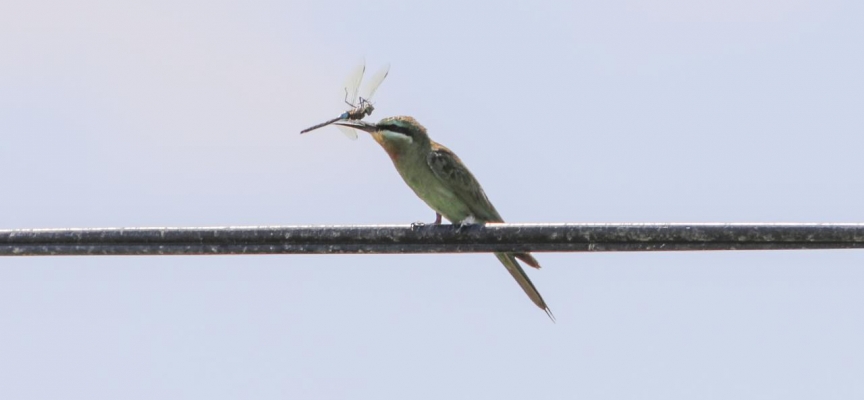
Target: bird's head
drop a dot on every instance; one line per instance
(396, 134)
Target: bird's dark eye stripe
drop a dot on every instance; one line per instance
(398, 129)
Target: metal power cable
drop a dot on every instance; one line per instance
(388, 239)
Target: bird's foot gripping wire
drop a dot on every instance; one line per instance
(420, 224)
(467, 223)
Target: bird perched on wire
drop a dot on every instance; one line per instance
(441, 180)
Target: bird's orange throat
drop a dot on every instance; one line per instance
(390, 147)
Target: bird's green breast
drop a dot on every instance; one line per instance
(434, 192)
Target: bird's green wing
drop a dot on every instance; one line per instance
(450, 170)
(447, 167)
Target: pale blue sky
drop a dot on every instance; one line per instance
(187, 113)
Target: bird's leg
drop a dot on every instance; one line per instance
(419, 224)
(470, 221)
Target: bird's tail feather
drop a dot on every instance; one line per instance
(509, 261)
(527, 258)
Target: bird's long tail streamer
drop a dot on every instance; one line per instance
(509, 261)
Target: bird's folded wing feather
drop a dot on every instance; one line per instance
(447, 167)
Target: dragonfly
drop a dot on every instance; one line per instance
(361, 105)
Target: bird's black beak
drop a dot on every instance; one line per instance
(361, 125)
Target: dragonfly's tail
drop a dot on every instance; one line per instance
(321, 125)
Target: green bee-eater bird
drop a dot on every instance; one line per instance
(441, 180)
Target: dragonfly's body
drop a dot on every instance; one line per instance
(361, 111)
(360, 107)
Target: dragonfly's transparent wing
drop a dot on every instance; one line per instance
(350, 132)
(352, 83)
(373, 83)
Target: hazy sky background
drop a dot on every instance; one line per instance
(187, 113)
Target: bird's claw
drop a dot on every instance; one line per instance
(420, 224)
(464, 225)
(467, 222)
